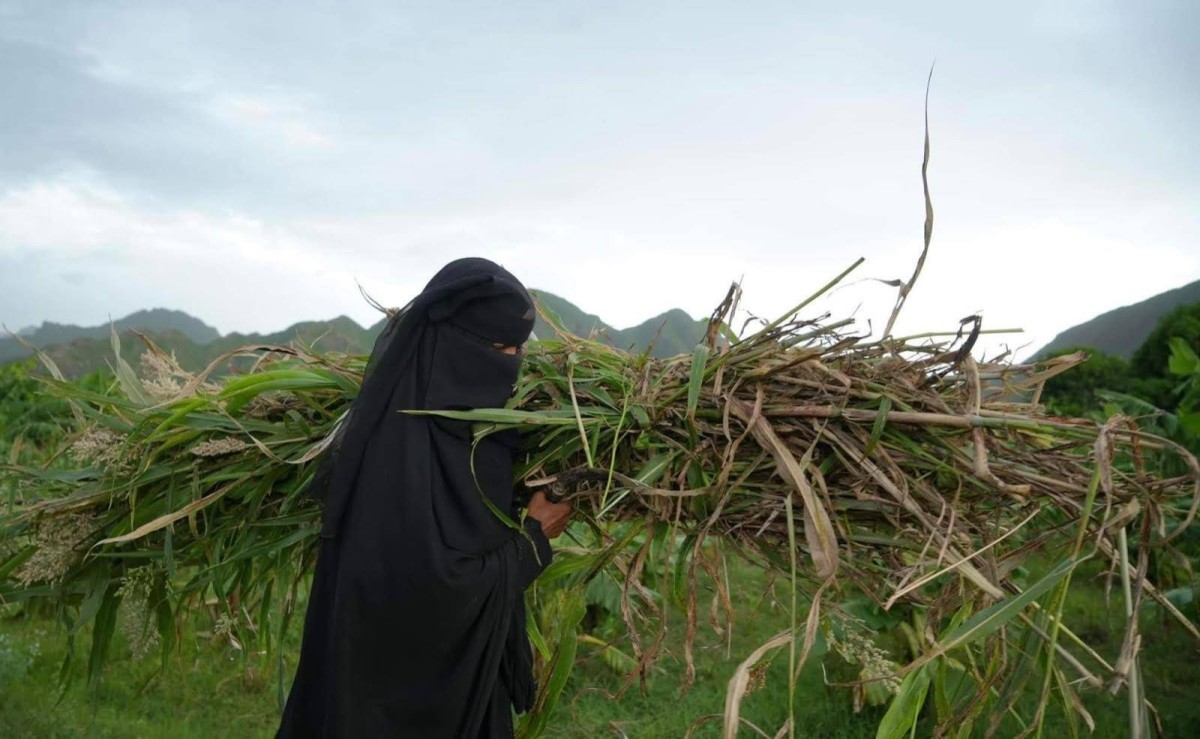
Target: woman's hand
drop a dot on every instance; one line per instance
(553, 517)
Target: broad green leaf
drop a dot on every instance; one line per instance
(639, 414)
(1181, 597)
(653, 469)
(535, 635)
(1190, 422)
(679, 580)
(902, 714)
(16, 560)
(102, 632)
(992, 618)
(1183, 361)
(166, 520)
(181, 411)
(696, 378)
(560, 667)
(306, 381)
(165, 620)
(566, 564)
(885, 407)
(91, 604)
(1130, 404)
(127, 378)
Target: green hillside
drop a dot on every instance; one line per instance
(81, 356)
(79, 350)
(156, 321)
(84, 355)
(1121, 331)
(342, 334)
(573, 319)
(671, 333)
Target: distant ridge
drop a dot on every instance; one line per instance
(155, 321)
(1122, 330)
(673, 332)
(78, 350)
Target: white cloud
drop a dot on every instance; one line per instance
(244, 273)
(165, 63)
(231, 270)
(271, 116)
(246, 165)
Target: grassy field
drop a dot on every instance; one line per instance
(210, 690)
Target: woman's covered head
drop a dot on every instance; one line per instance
(493, 307)
(483, 310)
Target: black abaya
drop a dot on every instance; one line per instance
(416, 618)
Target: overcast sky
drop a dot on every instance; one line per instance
(247, 162)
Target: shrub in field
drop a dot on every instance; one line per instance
(16, 659)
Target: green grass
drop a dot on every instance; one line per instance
(1170, 658)
(588, 710)
(209, 690)
(205, 692)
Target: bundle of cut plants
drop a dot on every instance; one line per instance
(905, 471)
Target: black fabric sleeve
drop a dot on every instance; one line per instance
(532, 556)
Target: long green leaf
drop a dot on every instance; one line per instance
(905, 708)
(696, 378)
(885, 407)
(95, 597)
(560, 667)
(128, 379)
(102, 633)
(992, 618)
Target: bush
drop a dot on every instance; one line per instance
(16, 659)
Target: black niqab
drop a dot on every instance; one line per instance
(416, 618)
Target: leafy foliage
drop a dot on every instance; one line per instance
(1152, 359)
(1146, 377)
(1073, 394)
(34, 421)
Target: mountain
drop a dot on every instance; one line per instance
(572, 318)
(1122, 330)
(156, 321)
(671, 333)
(342, 334)
(79, 350)
(83, 355)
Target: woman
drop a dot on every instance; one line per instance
(416, 619)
